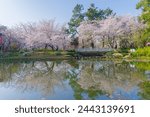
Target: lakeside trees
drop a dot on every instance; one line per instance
(95, 28)
(102, 28)
(42, 35)
(113, 32)
(9, 39)
(79, 15)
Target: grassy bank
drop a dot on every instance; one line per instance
(142, 52)
(140, 55)
(39, 54)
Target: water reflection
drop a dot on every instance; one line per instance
(82, 79)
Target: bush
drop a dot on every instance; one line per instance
(27, 54)
(71, 53)
(142, 52)
(123, 50)
(117, 55)
(109, 54)
(70, 50)
(127, 56)
(58, 53)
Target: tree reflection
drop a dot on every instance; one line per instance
(104, 78)
(88, 79)
(7, 71)
(34, 76)
(79, 92)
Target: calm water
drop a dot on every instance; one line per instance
(67, 80)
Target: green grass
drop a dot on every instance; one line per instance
(37, 55)
(141, 52)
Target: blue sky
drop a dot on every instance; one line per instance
(21, 11)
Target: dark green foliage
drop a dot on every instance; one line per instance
(93, 13)
(58, 53)
(70, 50)
(71, 53)
(76, 19)
(123, 50)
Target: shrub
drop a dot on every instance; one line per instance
(142, 52)
(71, 53)
(117, 55)
(58, 53)
(109, 54)
(123, 50)
(27, 54)
(71, 50)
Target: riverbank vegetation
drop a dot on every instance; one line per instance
(142, 52)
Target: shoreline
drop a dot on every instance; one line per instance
(53, 58)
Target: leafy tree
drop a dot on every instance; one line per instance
(145, 17)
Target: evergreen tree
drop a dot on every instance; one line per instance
(93, 13)
(75, 21)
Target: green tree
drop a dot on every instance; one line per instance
(145, 17)
(76, 19)
(93, 13)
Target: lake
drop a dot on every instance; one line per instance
(74, 80)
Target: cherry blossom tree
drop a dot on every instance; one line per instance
(86, 33)
(112, 32)
(10, 42)
(43, 34)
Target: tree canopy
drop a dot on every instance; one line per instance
(144, 5)
(93, 13)
(113, 32)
